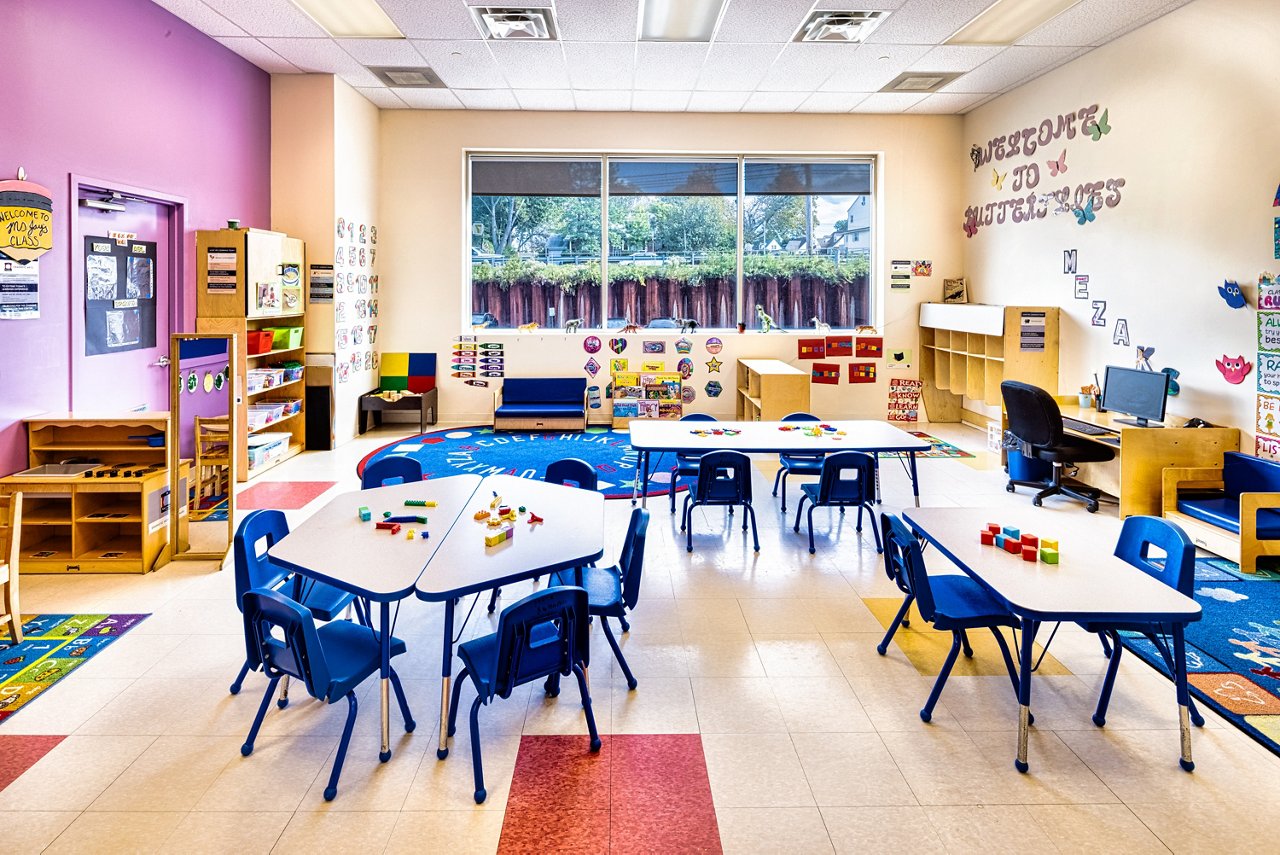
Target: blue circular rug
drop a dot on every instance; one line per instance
(480, 451)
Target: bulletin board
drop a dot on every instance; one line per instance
(119, 295)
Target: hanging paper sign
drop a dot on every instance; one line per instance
(713, 389)
(839, 345)
(683, 345)
(1268, 420)
(19, 290)
(1235, 370)
(617, 345)
(617, 365)
(653, 346)
(591, 344)
(862, 372)
(26, 219)
(825, 373)
(484, 384)
(1268, 292)
(685, 367)
(714, 345)
(491, 374)
(1267, 446)
(591, 367)
(899, 359)
(122, 238)
(688, 394)
(1269, 331)
(491, 361)
(811, 348)
(490, 345)
(464, 374)
(869, 348)
(904, 400)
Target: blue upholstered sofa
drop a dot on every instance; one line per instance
(1232, 510)
(536, 403)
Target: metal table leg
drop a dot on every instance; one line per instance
(644, 485)
(385, 671)
(1180, 681)
(1029, 628)
(915, 479)
(446, 667)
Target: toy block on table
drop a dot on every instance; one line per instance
(1010, 531)
(1012, 546)
(395, 528)
(385, 526)
(365, 516)
(987, 538)
(1029, 553)
(419, 503)
(534, 518)
(1030, 539)
(497, 537)
(1051, 544)
(994, 528)
(386, 515)
(1048, 555)
(411, 534)
(494, 522)
(481, 516)
(999, 540)
(408, 518)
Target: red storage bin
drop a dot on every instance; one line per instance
(259, 341)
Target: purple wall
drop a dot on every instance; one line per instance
(123, 91)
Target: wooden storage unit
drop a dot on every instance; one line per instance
(967, 350)
(769, 389)
(95, 524)
(260, 259)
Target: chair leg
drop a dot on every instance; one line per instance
(493, 599)
(453, 702)
(239, 680)
(900, 619)
(964, 644)
(684, 511)
(585, 689)
(343, 744)
(476, 762)
(927, 713)
(799, 511)
(284, 693)
(1008, 658)
(812, 549)
(617, 653)
(622, 621)
(755, 534)
(1109, 682)
(776, 479)
(13, 609)
(1106, 645)
(247, 748)
(858, 525)
(686, 525)
(785, 473)
(1196, 718)
(671, 493)
(409, 723)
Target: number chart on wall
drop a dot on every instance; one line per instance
(119, 295)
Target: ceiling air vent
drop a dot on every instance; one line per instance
(514, 23)
(408, 78)
(920, 81)
(839, 26)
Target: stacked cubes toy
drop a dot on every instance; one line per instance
(1017, 542)
(507, 533)
(365, 516)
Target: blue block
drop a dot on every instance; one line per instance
(1011, 532)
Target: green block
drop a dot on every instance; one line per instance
(365, 516)
(1048, 555)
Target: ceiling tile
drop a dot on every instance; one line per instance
(1141, 21)
(323, 55)
(603, 100)
(431, 20)
(831, 102)
(260, 55)
(600, 65)
(805, 66)
(463, 64)
(200, 16)
(429, 99)
(1012, 67)
(532, 65)
(773, 21)
(717, 102)
(660, 102)
(668, 65)
(946, 103)
(889, 102)
(955, 57)
(872, 66)
(774, 102)
(487, 99)
(382, 97)
(1091, 22)
(924, 22)
(598, 20)
(263, 18)
(544, 99)
(382, 51)
(736, 67)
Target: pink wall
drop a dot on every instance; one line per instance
(119, 90)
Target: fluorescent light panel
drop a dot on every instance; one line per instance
(351, 19)
(1006, 21)
(679, 20)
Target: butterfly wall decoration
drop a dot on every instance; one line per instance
(997, 180)
(1059, 166)
(1101, 127)
(1085, 215)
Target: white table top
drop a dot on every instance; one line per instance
(335, 546)
(1088, 583)
(571, 536)
(861, 435)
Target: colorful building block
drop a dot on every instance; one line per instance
(999, 540)
(481, 516)
(534, 518)
(365, 516)
(987, 537)
(994, 528)
(1051, 544)
(507, 533)
(1030, 540)
(419, 503)
(497, 500)
(411, 534)
(383, 525)
(395, 528)
(1048, 555)
(1029, 553)
(1012, 546)
(495, 522)
(386, 515)
(425, 534)
(1010, 531)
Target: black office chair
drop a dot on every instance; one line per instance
(1036, 421)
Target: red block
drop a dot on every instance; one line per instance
(1013, 547)
(995, 528)
(1030, 540)
(385, 526)
(1030, 553)
(395, 528)
(987, 537)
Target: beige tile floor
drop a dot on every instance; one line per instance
(812, 741)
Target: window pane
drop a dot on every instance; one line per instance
(535, 241)
(673, 232)
(807, 243)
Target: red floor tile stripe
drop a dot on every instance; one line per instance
(641, 793)
(284, 495)
(20, 753)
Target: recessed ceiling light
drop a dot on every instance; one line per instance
(679, 20)
(845, 26)
(351, 19)
(408, 78)
(1006, 21)
(921, 81)
(509, 23)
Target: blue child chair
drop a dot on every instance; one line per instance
(390, 470)
(332, 661)
(834, 490)
(951, 603)
(796, 464)
(686, 464)
(724, 479)
(613, 591)
(896, 569)
(253, 569)
(543, 635)
(1176, 567)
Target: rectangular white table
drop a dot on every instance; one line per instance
(650, 436)
(1089, 584)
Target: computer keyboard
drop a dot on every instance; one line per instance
(1085, 427)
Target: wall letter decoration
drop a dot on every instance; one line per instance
(1121, 334)
(1069, 262)
(1082, 287)
(1099, 309)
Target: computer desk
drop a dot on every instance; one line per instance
(1143, 453)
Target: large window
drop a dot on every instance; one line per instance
(663, 233)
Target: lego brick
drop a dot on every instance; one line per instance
(365, 516)
(507, 533)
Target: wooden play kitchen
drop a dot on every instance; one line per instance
(96, 493)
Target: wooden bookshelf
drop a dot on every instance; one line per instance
(768, 389)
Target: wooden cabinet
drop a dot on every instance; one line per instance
(967, 350)
(769, 389)
(115, 518)
(237, 272)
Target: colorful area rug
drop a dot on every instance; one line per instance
(937, 448)
(479, 451)
(1233, 651)
(53, 647)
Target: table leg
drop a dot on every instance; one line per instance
(875, 467)
(1180, 681)
(1029, 628)
(385, 671)
(915, 479)
(446, 667)
(643, 483)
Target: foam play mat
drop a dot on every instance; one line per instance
(53, 647)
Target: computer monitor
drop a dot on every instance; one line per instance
(1142, 394)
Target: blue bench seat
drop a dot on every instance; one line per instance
(537, 403)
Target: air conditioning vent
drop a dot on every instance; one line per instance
(839, 26)
(515, 24)
(408, 78)
(920, 81)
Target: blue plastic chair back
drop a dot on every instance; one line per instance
(895, 565)
(571, 471)
(545, 633)
(724, 477)
(631, 561)
(800, 417)
(252, 568)
(698, 417)
(390, 470)
(281, 634)
(835, 487)
(902, 552)
(1177, 568)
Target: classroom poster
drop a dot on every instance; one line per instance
(904, 400)
(119, 295)
(1032, 332)
(321, 283)
(19, 290)
(1268, 369)
(221, 264)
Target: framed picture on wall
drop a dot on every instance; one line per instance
(955, 291)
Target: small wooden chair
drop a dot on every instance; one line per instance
(213, 453)
(10, 613)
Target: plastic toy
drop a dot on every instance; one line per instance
(384, 525)
(999, 540)
(1047, 555)
(1029, 553)
(1013, 547)
(395, 528)
(425, 534)
(994, 528)
(497, 500)
(987, 538)
(499, 536)
(522, 509)
(1010, 531)
(494, 522)
(1030, 540)
(481, 516)
(365, 516)
(1046, 543)
(411, 534)
(419, 503)
(534, 519)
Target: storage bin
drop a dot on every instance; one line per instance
(258, 341)
(264, 413)
(1023, 468)
(285, 338)
(267, 447)
(292, 405)
(292, 370)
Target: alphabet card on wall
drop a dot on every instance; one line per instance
(1121, 334)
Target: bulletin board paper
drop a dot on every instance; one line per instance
(1268, 369)
(1268, 416)
(1269, 331)
(19, 290)
(119, 295)
(904, 400)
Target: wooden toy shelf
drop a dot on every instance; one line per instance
(769, 389)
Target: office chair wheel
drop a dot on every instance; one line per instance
(1099, 720)
(442, 753)
(246, 749)
(481, 795)
(925, 715)
(1037, 501)
(595, 743)
(1092, 507)
(1187, 765)
(1009, 487)
(329, 793)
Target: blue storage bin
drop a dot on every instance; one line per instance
(1023, 468)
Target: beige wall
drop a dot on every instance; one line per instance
(1191, 100)
(423, 218)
